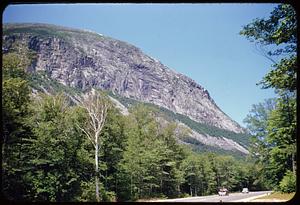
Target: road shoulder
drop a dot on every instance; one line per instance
(250, 199)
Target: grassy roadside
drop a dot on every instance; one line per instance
(276, 196)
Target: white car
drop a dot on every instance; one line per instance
(245, 190)
(223, 192)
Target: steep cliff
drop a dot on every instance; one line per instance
(84, 59)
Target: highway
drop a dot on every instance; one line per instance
(233, 197)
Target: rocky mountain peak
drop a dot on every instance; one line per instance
(85, 59)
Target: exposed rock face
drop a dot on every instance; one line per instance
(221, 142)
(84, 59)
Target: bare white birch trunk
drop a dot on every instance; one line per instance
(97, 173)
(96, 106)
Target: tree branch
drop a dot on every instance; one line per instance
(87, 134)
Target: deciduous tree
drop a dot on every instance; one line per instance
(96, 105)
(279, 31)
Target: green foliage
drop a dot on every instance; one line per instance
(48, 31)
(201, 128)
(273, 125)
(257, 123)
(12, 67)
(275, 142)
(15, 95)
(257, 118)
(152, 156)
(46, 157)
(40, 81)
(19, 49)
(88, 192)
(205, 173)
(198, 180)
(54, 150)
(202, 148)
(283, 77)
(15, 101)
(42, 32)
(111, 153)
(288, 183)
(279, 28)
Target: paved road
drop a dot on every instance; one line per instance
(233, 197)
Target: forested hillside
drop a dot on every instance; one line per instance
(40, 82)
(65, 138)
(48, 157)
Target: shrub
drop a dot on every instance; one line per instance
(288, 182)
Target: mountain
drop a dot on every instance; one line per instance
(81, 59)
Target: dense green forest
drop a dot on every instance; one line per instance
(47, 157)
(273, 122)
(49, 153)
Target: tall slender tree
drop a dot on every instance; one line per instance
(96, 105)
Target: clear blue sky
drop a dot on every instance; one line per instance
(201, 41)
